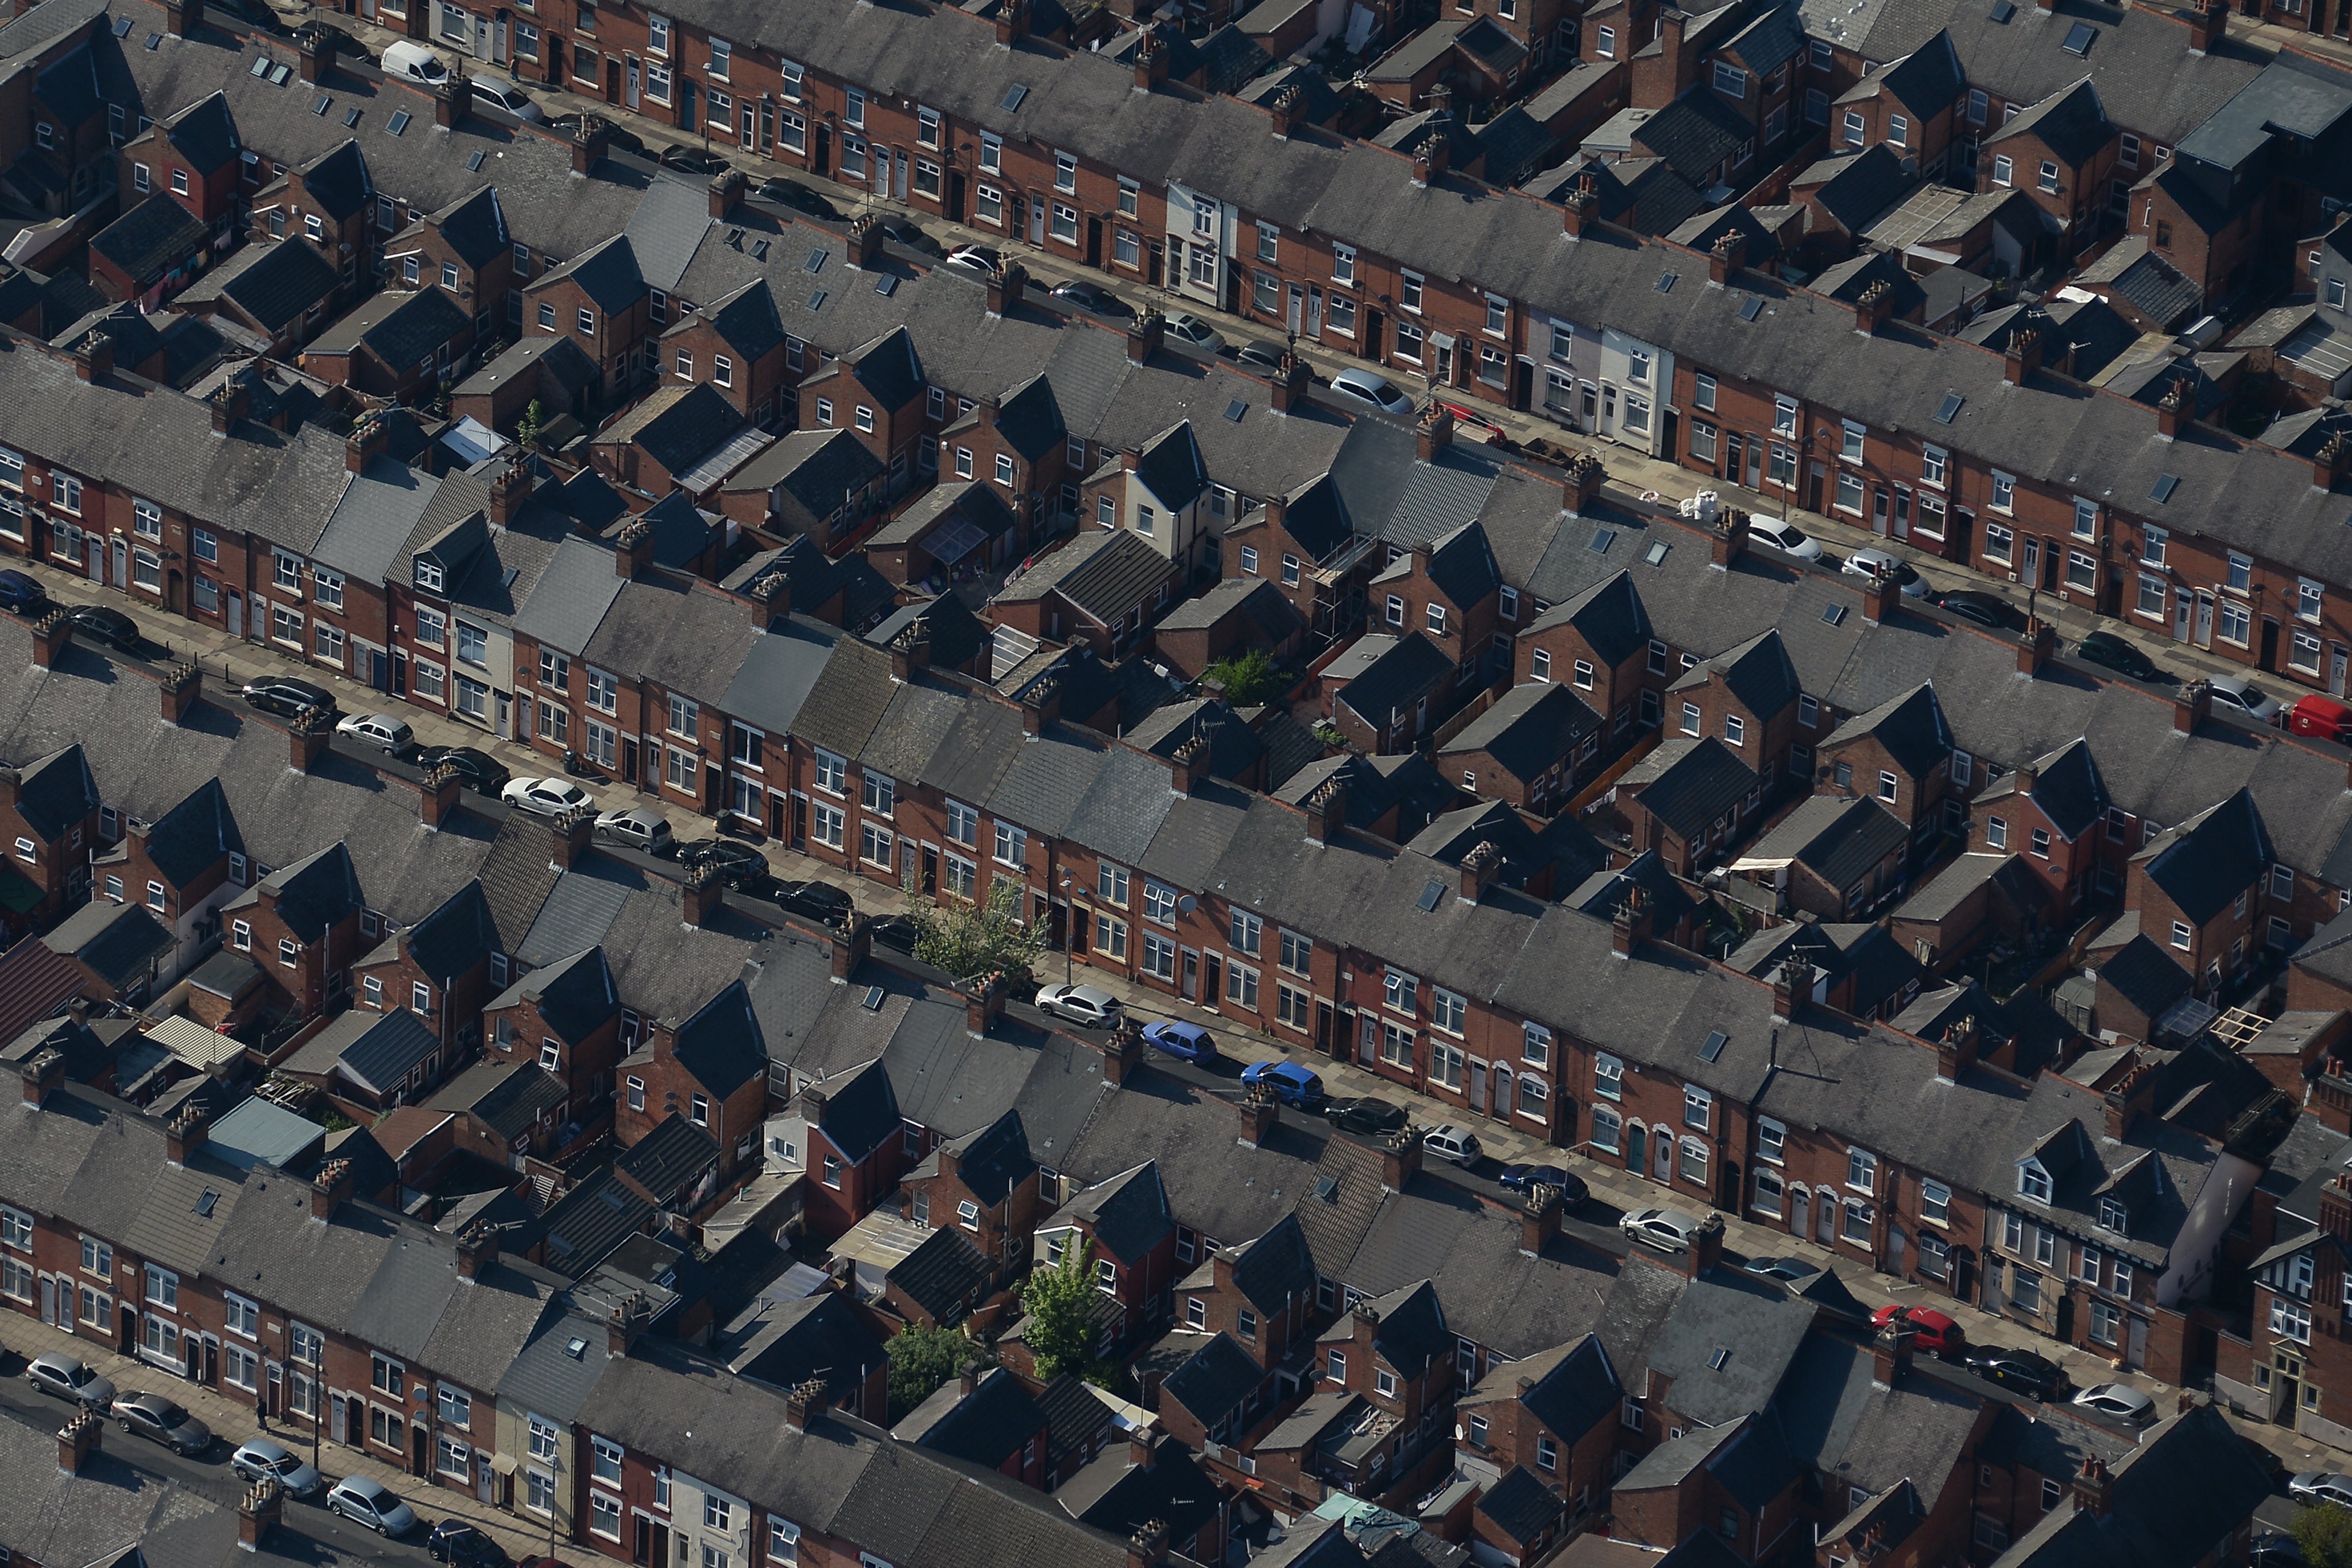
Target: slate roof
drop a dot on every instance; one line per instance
(1277, 1269)
(995, 1160)
(379, 1050)
(1170, 467)
(1840, 839)
(818, 468)
(1126, 1216)
(2146, 977)
(507, 1097)
(1527, 729)
(1520, 1507)
(402, 328)
(2071, 123)
(1609, 616)
(2208, 860)
(888, 367)
(1856, 188)
(116, 942)
(1910, 727)
(945, 1276)
(1216, 1382)
(1688, 784)
(607, 273)
(56, 793)
(1758, 672)
(1695, 134)
(2188, 1486)
(273, 282)
(1396, 677)
(1104, 574)
(150, 239)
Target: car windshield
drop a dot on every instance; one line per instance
(165, 1412)
(80, 1376)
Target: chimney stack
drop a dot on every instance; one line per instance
(589, 140)
(2023, 358)
(1122, 1050)
(1041, 705)
(52, 636)
(1260, 1111)
(2192, 705)
(1631, 925)
(184, 1134)
(1287, 105)
(258, 1512)
(628, 1320)
(1957, 1052)
(230, 402)
(1582, 207)
(1873, 307)
(1792, 988)
(983, 1006)
(1429, 158)
(77, 1439)
(453, 99)
(1148, 1547)
(911, 651)
(1150, 61)
(1189, 767)
(43, 1071)
(181, 18)
(1400, 1159)
(1012, 22)
(478, 1251)
(2329, 463)
(1890, 1353)
(1705, 1248)
(1289, 380)
(851, 948)
(572, 833)
(179, 686)
(2040, 641)
(1538, 1218)
(1479, 869)
(1143, 1450)
(806, 1402)
(634, 549)
(93, 357)
(726, 194)
(2094, 1489)
(331, 1185)
(508, 490)
(308, 736)
(865, 241)
(705, 893)
(437, 795)
(368, 437)
(2207, 26)
(967, 1378)
(1434, 434)
(1729, 255)
(1729, 541)
(315, 54)
(1881, 596)
(1005, 290)
(1586, 474)
(1144, 334)
(1327, 810)
(2173, 408)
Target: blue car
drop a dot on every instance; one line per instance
(1292, 1084)
(1189, 1041)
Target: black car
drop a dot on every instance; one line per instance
(895, 931)
(615, 136)
(738, 864)
(1090, 297)
(692, 160)
(2037, 1377)
(2111, 652)
(819, 901)
(454, 1541)
(799, 197)
(1572, 1190)
(106, 625)
(911, 236)
(477, 771)
(1984, 609)
(1365, 1115)
(285, 695)
(22, 594)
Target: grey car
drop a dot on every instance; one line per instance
(156, 1418)
(63, 1377)
(636, 829)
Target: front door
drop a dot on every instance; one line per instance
(122, 569)
(1826, 1215)
(931, 872)
(1037, 220)
(1213, 970)
(2137, 1357)
(97, 558)
(634, 87)
(420, 1449)
(2336, 660)
(1502, 1101)
(1314, 310)
(2204, 638)
(1637, 1143)
(2270, 627)
(1800, 1210)
(340, 1425)
(487, 1486)
(1477, 1086)
(686, 103)
(2182, 607)
(1297, 312)
(1191, 972)
(1896, 1243)
(237, 615)
(48, 1299)
(898, 175)
(1661, 1155)
(1731, 457)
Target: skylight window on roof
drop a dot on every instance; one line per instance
(1601, 539)
(473, 163)
(1716, 1041)
(1235, 409)
(279, 73)
(1720, 1359)
(873, 1000)
(1656, 554)
(1430, 895)
(817, 259)
(816, 300)
(153, 40)
(352, 118)
(122, 26)
(319, 106)
(1666, 282)
(207, 1203)
(260, 66)
(397, 123)
(2002, 11)
(1834, 614)
(1013, 97)
(759, 249)
(575, 1347)
(1949, 409)
(886, 284)
(1326, 1188)
(2164, 485)
(1751, 307)
(2079, 38)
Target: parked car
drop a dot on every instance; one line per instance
(1090, 1005)
(381, 730)
(455, 1541)
(1259, 356)
(513, 100)
(1938, 1333)
(477, 771)
(286, 695)
(1459, 1145)
(799, 197)
(371, 1502)
(692, 160)
(822, 902)
(1787, 1271)
(1570, 1185)
(1786, 538)
(1292, 1084)
(976, 259)
(1188, 1040)
(2118, 1401)
(20, 593)
(738, 862)
(2323, 716)
(1372, 390)
(106, 625)
(1092, 299)
(615, 136)
(1984, 609)
(545, 796)
(156, 1418)
(1187, 328)
(895, 931)
(2111, 652)
(258, 1459)
(415, 62)
(910, 234)
(2036, 1376)
(2317, 1487)
(636, 829)
(2232, 693)
(63, 1377)
(1365, 1115)
(2275, 1551)
(1887, 567)
(1667, 1230)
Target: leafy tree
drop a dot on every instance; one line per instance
(921, 1360)
(2325, 1533)
(966, 939)
(1058, 1299)
(1249, 679)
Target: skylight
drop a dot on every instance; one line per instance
(1950, 408)
(1666, 282)
(1235, 409)
(2164, 485)
(1601, 539)
(260, 66)
(817, 259)
(2079, 38)
(152, 41)
(888, 284)
(397, 123)
(473, 163)
(1834, 614)
(2002, 11)
(1013, 97)
(759, 249)
(352, 117)
(321, 106)
(1656, 554)
(121, 26)
(279, 73)
(1714, 1046)
(873, 1001)
(1430, 895)
(816, 300)
(1751, 307)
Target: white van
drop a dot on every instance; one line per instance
(415, 62)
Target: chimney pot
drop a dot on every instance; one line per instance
(307, 734)
(1729, 543)
(984, 1005)
(705, 892)
(437, 795)
(179, 687)
(1434, 434)
(1005, 287)
(77, 1439)
(1145, 334)
(331, 1185)
(851, 947)
(2023, 358)
(94, 356)
(1260, 1112)
(572, 831)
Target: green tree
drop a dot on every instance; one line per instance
(1059, 1300)
(967, 939)
(527, 428)
(2325, 1533)
(1249, 679)
(921, 1360)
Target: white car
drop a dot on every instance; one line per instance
(364, 1502)
(971, 259)
(415, 62)
(1787, 537)
(381, 730)
(2118, 1402)
(1452, 1142)
(545, 796)
(1088, 1005)
(1885, 566)
(1365, 387)
(259, 1458)
(1667, 1230)
(63, 1377)
(499, 95)
(1187, 328)
(2234, 695)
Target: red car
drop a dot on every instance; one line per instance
(1938, 1333)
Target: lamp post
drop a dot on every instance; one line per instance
(1069, 931)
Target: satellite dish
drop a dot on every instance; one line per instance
(1186, 904)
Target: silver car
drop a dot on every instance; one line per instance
(1187, 328)
(381, 730)
(368, 1503)
(636, 829)
(2118, 1402)
(152, 1417)
(1667, 1230)
(65, 1378)
(260, 1459)
(1088, 1005)
(1376, 391)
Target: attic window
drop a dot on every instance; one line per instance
(2164, 485)
(1013, 97)
(576, 1348)
(1751, 307)
(152, 41)
(320, 108)
(1656, 554)
(817, 259)
(1326, 1188)
(279, 73)
(2002, 11)
(1666, 282)
(1601, 539)
(397, 123)
(1716, 1041)
(1834, 614)
(886, 284)
(760, 250)
(1430, 895)
(473, 163)
(352, 118)
(1949, 409)
(260, 66)
(121, 26)
(1720, 1359)
(872, 1002)
(206, 1205)
(2079, 38)
(1235, 409)
(816, 300)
